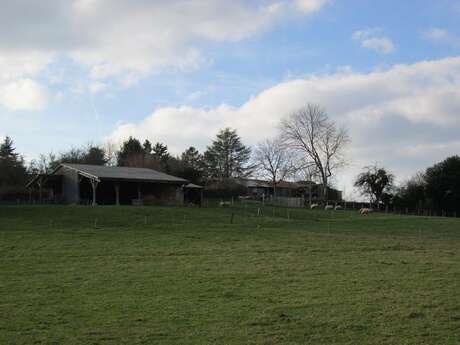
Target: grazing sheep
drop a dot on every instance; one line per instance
(225, 204)
(313, 206)
(366, 210)
(328, 207)
(338, 208)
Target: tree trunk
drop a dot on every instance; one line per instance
(324, 178)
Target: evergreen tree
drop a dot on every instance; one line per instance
(160, 151)
(192, 168)
(192, 158)
(95, 155)
(7, 150)
(131, 153)
(443, 184)
(227, 156)
(12, 169)
(147, 147)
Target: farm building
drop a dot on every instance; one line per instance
(306, 192)
(94, 184)
(287, 189)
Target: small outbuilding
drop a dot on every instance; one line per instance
(95, 184)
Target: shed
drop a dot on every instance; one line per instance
(95, 184)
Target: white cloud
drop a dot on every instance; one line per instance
(23, 94)
(310, 6)
(423, 96)
(442, 149)
(18, 89)
(438, 35)
(17, 64)
(129, 39)
(97, 86)
(375, 40)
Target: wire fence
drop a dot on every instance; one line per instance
(287, 202)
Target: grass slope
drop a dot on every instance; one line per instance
(151, 275)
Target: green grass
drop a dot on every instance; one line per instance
(152, 275)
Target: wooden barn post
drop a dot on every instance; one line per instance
(94, 184)
(139, 194)
(117, 194)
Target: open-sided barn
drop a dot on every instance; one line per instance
(95, 184)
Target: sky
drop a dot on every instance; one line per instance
(74, 72)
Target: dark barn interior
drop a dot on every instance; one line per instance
(129, 192)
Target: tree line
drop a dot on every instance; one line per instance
(436, 189)
(309, 146)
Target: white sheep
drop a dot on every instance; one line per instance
(366, 210)
(329, 207)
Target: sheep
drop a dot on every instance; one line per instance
(366, 210)
(338, 208)
(313, 206)
(225, 204)
(329, 207)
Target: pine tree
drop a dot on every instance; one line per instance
(95, 155)
(7, 150)
(160, 151)
(147, 147)
(131, 153)
(227, 157)
(192, 158)
(12, 169)
(191, 165)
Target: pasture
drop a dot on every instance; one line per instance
(159, 275)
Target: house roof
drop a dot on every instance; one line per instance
(122, 173)
(253, 183)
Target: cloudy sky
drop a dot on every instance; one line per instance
(176, 71)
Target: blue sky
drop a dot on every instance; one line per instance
(73, 72)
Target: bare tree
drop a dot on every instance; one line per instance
(110, 149)
(274, 161)
(44, 165)
(311, 132)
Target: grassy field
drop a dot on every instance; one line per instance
(152, 275)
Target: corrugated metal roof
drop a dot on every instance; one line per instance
(124, 173)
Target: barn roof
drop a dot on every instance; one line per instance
(193, 186)
(123, 173)
(253, 183)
